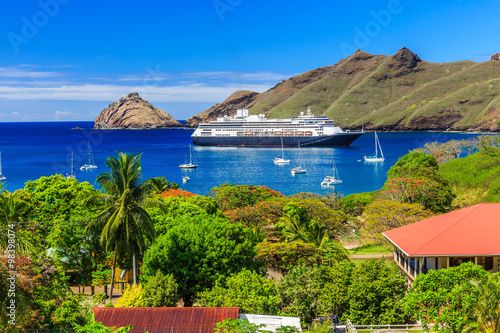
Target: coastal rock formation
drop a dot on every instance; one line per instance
(238, 100)
(133, 112)
(496, 57)
(399, 92)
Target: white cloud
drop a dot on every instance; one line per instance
(103, 92)
(16, 72)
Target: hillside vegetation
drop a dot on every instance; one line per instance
(397, 92)
(475, 178)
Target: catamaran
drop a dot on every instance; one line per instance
(281, 160)
(300, 168)
(2, 177)
(193, 164)
(376, 158)
(90, 162)
(72, 174)
(333, 179)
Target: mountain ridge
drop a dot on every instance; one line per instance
(399, 92)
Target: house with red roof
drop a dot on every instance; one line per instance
(470, 234)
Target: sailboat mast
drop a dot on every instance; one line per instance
(376, 151)
(72, 164)
(381, 152)
(282, 149)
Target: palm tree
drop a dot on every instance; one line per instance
(123, 225)
(11, 210)
(485, 311)
(161, 184)
(300, 227)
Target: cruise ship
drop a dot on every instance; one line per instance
(258, 131)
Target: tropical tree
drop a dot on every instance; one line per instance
(161, 184)
(200, 251)
(248, 290)
(300, 227)
(124, 225)
(485, 311)
(11, 211)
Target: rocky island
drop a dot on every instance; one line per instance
(133, 112)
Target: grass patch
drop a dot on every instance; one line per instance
(370, 249)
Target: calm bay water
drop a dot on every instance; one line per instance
(32, 150)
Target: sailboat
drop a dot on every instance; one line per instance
(376, 158)
(281, 160)
(2, 177)
(192, 160)
(72, 174)
(300, 168)
(90, 162)
(334, 178)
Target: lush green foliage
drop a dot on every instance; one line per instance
(41, 289)
(199, 251)
(440, 296)
(133, 297)
(284, 256)
(384, 215)
(123, 226)
(160, 291)
(475, 178)
(237, 196)
(413, 163)
(354, 204)
(415, 179)
(248, 290)
(375, 294)
(57, 198)
(261, 214)
(484, 315)
(300, 291)
(238, 326)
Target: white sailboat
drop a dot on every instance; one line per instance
(376, 158)
(90, 165)
(334, 178)
(2, 177)
(72, 174)
(193, 164)
(300, 168)
(281, 160)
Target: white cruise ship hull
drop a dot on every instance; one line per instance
(339, 139)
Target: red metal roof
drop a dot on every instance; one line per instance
(472, 231)
(171, 320)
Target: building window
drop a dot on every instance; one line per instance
(486, 262)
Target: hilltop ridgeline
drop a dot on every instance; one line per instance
(400, 92)
(133, 112)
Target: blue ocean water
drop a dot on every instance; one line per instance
(32, 150)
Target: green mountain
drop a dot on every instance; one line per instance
(397, 92)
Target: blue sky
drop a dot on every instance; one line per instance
(67, 59)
